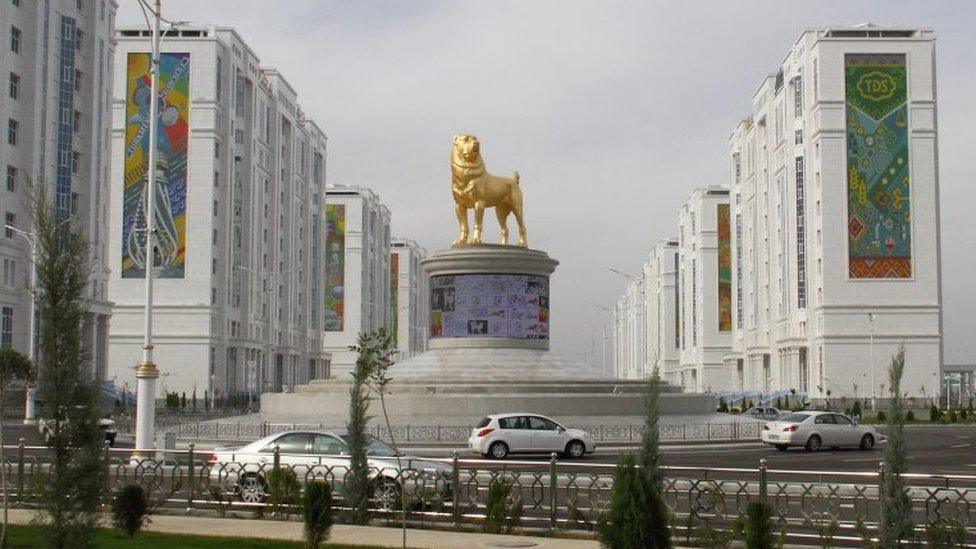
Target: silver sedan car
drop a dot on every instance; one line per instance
(815, 430)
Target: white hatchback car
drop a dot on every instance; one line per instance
(814, 430)
(498, 435)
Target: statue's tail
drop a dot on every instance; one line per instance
(515, 176)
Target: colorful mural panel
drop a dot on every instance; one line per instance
(335, 267)
(394, 295)
(724, 269)
(171, 154)
(878, 200)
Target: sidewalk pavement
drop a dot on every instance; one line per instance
(341, 533)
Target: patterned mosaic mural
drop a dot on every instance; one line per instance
(724, 269)
(878, 203)
(171, 179)
(335, 266)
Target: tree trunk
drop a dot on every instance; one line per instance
(403, 484)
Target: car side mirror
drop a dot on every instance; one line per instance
(560, 429)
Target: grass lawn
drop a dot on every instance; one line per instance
(22, 536)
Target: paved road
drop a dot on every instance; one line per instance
(934, 450)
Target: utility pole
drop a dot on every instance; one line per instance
(146, 372)
(874, 385)
(30, 408)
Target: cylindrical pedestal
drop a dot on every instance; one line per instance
(146, 376)
(489, 296)
(30, 406)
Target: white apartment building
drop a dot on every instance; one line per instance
(630, 348)
(660, 309)
(409, 301)
(56, 74)
(357, 287)
(704, 290)
(240, 196)
(836, 250)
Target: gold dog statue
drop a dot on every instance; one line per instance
(474, 188)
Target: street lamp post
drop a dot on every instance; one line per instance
(146, 373)
(874, 385)
(30, 408)
(603, 356)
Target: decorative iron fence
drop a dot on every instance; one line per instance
(823, 507)
(237, 431)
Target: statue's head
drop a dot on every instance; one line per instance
(467, 146)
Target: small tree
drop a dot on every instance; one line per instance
(317, 512)
(13, 367)
(376, 352)
(72, 490)
(758, 526)
(283, 489)
(896, 506)
(357, 477)
(130, 509)
(856, 409)
(503, 506)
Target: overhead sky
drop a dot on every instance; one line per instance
(611, 112)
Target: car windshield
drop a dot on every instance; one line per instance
(374, 447)
(795, 418)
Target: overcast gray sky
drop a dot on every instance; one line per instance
(611, 112)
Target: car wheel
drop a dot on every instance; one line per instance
(498, 450)
(575, 449)
(813, 443)
(782, 447)
(867, 442)
(251, 489)
(387, 495)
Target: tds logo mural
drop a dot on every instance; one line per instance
(876, 86)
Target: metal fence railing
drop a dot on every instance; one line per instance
(236, 431)
(826, 508)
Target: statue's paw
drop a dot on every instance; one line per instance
(474, 239)
(522, 243)
(460, 241)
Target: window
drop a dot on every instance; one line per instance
(798, 137)
(75, 162)
(12, 127)
(15, 3)
(798, 97)
(11, 221)
(14, 85)
(801, 238)
(219, 72)
(540, 424)
(9, 272)
(11, 178)
(78, 78)
(7, 335)
(79, 35)
(76, 122)
(292, 443)
(14, 39)
(324, 444)
(216, 179)
(216, 150)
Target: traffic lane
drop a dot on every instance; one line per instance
(931, 450)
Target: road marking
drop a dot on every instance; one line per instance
(960, 445)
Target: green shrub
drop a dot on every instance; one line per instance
(503, 508)
(963, 414)
(953, 417)
(935, 414)
(758, 529)
(946, 532)
(317, 512)
(631, 521)
(882, 417)
(283, 488)
(910, 417)
(856, 409)
(723, 407)
(130, 509)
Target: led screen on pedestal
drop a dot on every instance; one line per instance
(511, 306)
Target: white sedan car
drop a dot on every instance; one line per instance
(814, 430)
(498, 435)
(313, 454)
